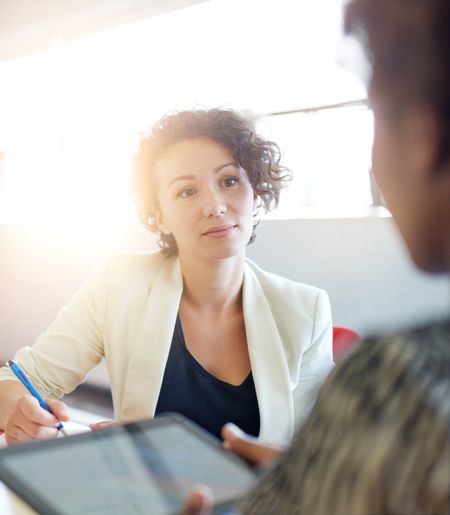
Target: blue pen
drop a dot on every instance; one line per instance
(20, 374)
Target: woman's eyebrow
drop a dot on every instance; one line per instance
(181, 178)
(220, 167)
(191, 177)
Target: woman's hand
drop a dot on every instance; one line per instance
(106, 423)
(28, 421)
(199, 501)
(249, 448)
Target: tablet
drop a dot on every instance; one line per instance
(144, 467)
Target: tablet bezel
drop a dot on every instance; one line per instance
(40, 503)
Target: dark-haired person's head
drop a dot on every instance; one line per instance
(407, 43)
(259, 159)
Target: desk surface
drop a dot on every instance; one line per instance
(10, 504)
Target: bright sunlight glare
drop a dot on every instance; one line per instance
(70, 117)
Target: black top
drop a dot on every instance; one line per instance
(189, 389)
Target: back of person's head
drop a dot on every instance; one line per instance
(407, 43)
(377, 439)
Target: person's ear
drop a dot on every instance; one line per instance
(423, 141)
(162, 225)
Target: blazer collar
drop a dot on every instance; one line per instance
(268, 361)
(151, 349)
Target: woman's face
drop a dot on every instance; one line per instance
(205, 199)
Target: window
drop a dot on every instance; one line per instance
(70, 117)
(328, 150)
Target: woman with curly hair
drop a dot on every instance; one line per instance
(196, 327)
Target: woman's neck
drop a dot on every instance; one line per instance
(213, 284)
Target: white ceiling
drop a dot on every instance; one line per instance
(28, 26)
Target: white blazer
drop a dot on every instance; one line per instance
(127, 310)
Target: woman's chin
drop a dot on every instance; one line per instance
(222, 250)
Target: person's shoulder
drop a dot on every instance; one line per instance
(118, 266)
(278, 285)
(432, 330)
(135, 260)
(427, 339)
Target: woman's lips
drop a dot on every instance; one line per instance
(220, 231)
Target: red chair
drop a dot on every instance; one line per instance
(343, 339)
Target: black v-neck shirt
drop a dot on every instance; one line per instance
(189, 389)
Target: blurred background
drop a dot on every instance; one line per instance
(81, 81)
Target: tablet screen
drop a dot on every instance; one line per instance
(137, 468)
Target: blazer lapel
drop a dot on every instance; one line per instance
(268, 361)
(149, 356)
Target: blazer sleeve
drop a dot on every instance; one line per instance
(316, 361)
(72, 344)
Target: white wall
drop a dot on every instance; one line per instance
(27, 26)
(360, 262)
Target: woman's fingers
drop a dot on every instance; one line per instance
(28, 421)
(28, 408)
(25, 431)
(15, 435)
(198, 502)
(59, 410)
(106, 423)
(248, 447)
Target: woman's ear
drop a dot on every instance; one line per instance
(162, 225)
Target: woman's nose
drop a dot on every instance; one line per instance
(214, 204)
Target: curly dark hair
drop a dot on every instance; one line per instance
(258, 157)
(407, 43)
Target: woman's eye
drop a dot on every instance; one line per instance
(229, 182)
(186, 193)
